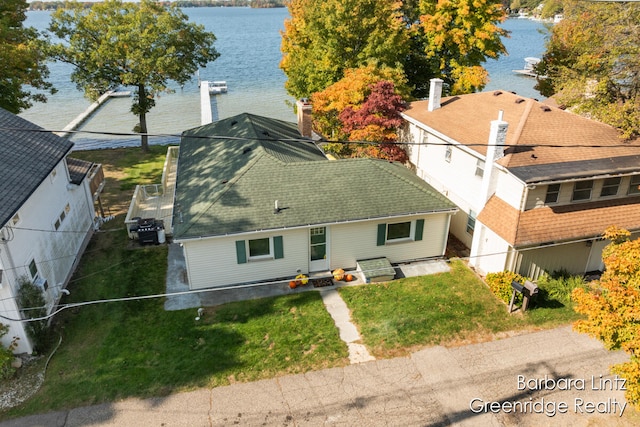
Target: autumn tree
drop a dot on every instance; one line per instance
(449, 39)
(612, 307)
(459, 35)
(323, 38)
(364, 106)
(142, 45)
(22, 61)
(592, 60)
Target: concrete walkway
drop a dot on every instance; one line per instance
(340, 313)
(436, 386)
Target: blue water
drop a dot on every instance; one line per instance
(248, 41)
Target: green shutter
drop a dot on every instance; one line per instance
(241, 251)
(419, 229)
(278, 250)
(382, 234)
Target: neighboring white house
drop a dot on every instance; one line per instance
(255, 201)
(534, 195)
(46, 216)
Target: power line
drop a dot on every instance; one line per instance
(162, 135)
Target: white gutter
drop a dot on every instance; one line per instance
(323, 224)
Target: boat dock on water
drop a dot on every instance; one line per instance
(530, 63)
(217, 87)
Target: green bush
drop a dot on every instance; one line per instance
(6, 354)
(559, 285)
(33, 305)
(500, 285)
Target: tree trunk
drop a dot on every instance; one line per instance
(142, 99)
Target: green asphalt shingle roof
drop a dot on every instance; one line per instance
(227, 186)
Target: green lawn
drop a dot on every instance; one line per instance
(449, 308)
(119, 349)
(115, 350)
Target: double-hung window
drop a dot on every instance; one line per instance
(634, 185)
(610, 187)
(264, 248)
(582, 190)
(553, 191)
(397, 232)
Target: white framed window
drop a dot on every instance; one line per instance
(553, 191)
(610, 187)
(33, 269)
(260, 248)
(400, 231)
(471, 222)
(15, 219)
(634, 185)
(480, 168)
(447, 154)
(582, 190)
(264, 248)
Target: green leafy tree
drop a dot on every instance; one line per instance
(612, 306)
(458, 36)
(33, 305)
(323, 38)
(423, 39)
(143, 45)
(592, 60)
(22, 62)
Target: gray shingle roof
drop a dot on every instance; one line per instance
(27, 158)
(223, 188)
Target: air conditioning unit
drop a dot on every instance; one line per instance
(41, 283)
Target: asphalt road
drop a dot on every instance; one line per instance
(555, 377)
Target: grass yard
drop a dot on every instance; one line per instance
(398, 317)
(115, 350)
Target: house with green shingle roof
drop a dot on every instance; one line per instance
(254, 201)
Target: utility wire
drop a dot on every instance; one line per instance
(130, 134)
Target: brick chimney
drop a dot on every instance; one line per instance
(435, 93)
(303, 106)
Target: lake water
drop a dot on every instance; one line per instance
(248, 41)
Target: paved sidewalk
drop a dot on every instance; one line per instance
(436, 386)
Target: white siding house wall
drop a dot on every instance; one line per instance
(510, 189)
(490, 252)
(35, 238)
(213, 262)
(436, 168)
(358, 241)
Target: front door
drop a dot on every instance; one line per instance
(318, 249)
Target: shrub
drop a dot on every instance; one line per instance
(500, 285)
(560, 284)
(6, 354)
(33, 306)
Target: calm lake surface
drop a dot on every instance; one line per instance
(248, 41)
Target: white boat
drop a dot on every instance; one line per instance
(217, 87)
(529, 67)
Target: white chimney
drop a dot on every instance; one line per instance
(304, 108)
(435, 93)
(495, 151)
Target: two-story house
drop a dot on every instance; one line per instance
(46, 216)
(536, 185)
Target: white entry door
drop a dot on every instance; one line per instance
(318, 249)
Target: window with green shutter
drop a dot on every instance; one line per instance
(259, 249)
(406, 231)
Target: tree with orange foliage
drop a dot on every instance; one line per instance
(364, 106)
(612, 306)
